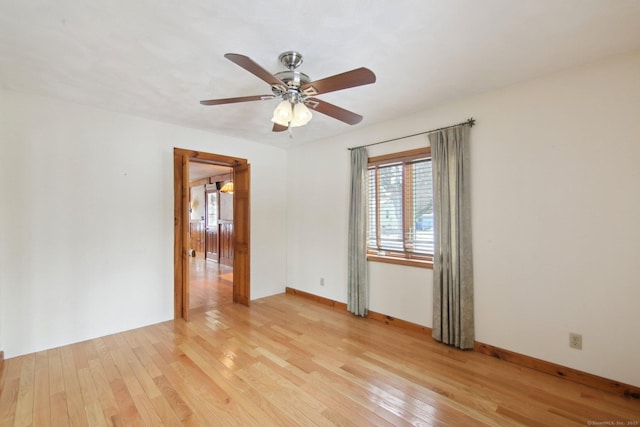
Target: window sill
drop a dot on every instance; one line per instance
(401, 261)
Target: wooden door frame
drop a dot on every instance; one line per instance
(181, 159)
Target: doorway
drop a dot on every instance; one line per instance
(238, 225)
(210, 235)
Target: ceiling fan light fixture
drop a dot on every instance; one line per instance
(297, 91)
(283, 113)
(301, 115)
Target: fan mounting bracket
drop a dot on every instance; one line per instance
(291, 59)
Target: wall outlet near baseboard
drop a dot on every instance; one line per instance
(575, 341)
(322, 281)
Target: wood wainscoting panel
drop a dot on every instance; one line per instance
(211, 243)
(226, 249)
(196, 237)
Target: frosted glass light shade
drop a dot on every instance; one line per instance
(301, 115)
(283, 113)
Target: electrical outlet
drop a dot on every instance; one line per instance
(575, 341)
(322, 281)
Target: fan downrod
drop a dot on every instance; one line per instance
(291, 59)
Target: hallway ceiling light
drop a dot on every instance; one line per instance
(228, 187)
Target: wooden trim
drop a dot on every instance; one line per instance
(316, 298)
(178, 218)
(406, 160)
(401, 261)
(570, 374)
(203, 181)
(184, 212)
(370, 314)
(393, 321)
(241, 234)
(215, 159)
(220, 178)
(400, 156)
(539, 365)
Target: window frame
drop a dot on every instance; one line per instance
(399, 257)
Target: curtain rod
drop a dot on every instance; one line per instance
(469, 122)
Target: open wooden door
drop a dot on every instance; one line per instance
(241, 264)
(181, 240)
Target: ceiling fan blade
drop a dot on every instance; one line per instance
(357, 77)
(234, 100)
(334, 111)
(279, 128)
(249, 65)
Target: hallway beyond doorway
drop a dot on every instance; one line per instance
(210, 283)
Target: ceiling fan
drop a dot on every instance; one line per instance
(298, 92)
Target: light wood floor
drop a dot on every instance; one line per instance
(288, 361)
(210, 284)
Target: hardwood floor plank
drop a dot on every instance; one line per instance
(210, 284)
(272, 393)
(350, 412)
(59, 410)
(127, 412)
(177, 404)
(104, 393)
(92, 407)
(138, 384)
(75, 405)
(241, 410)
(448, 397)
(204, 411)
(41, 398)
(24, 406)
(357, 393)
(165, 412)
(223, 372)
(288, 361)
(10, 386)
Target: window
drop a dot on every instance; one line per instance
(401, 208)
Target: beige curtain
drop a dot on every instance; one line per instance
(358, 293)
(453, 318)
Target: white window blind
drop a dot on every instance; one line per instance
(401, 207)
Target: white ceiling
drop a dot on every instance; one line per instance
(199, 170)
(158, 59)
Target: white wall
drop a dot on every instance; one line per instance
(197, 202)
(555, 181)
(87, 220)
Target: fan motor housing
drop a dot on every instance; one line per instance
(293, 78)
